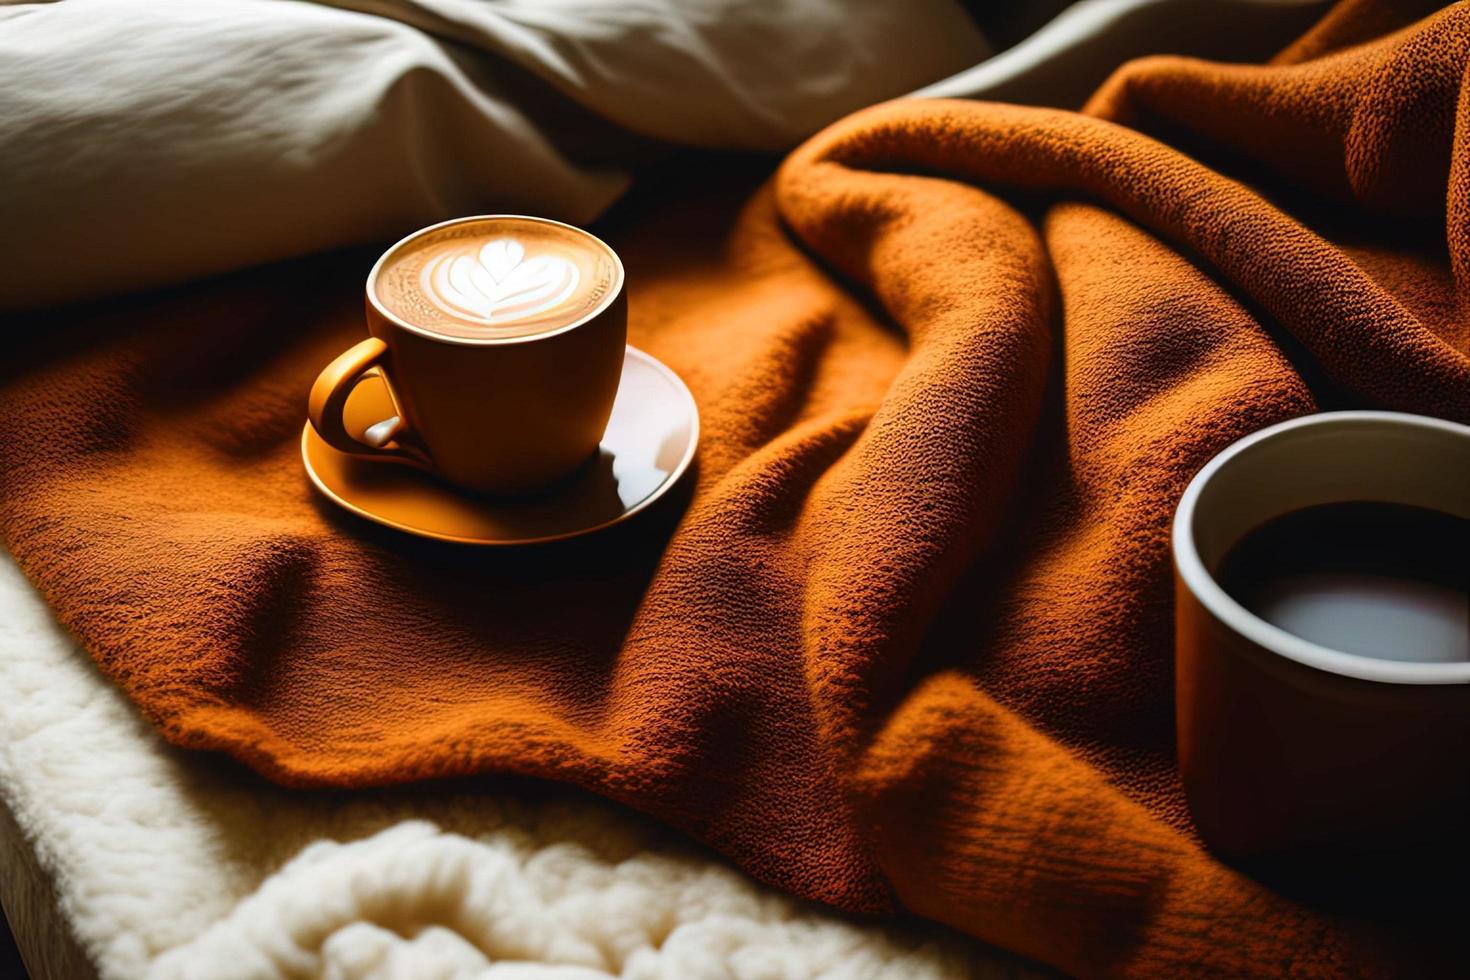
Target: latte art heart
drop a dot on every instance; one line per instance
(495, 283)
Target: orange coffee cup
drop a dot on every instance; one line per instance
(501, 339)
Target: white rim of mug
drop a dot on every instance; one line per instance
(592, 314)
(1272, 638)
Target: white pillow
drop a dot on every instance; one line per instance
(148, 143)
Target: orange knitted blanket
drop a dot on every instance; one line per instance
(905, 643)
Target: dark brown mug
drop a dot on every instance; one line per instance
(1288, 748)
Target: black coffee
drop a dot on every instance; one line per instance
(1383, 580)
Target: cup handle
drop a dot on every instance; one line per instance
(386, 439)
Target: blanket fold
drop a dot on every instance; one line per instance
(906, 643)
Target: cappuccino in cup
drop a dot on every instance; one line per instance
(501, 339)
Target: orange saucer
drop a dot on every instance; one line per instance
(649, 443)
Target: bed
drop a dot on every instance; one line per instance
(125, 857)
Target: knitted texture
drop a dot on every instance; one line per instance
(906, 640)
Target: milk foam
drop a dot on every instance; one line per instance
(500, 277)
